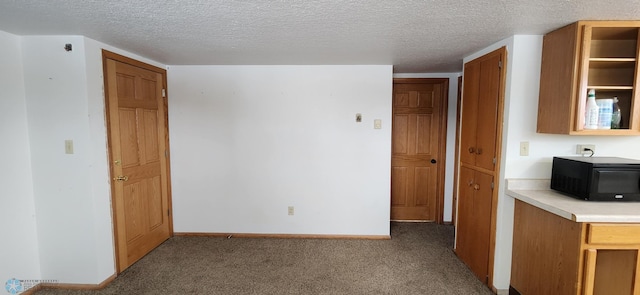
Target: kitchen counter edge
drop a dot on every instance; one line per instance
(537, 192)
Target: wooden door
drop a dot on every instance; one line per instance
(480, 141)
(469, 113)
(138, 153)
(417, 139)
(481, 226)
(487, 115)
(480, 111)
(464, 224)
(474, 224)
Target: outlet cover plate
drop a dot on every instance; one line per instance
(580, 149)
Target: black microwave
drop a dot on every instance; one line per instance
(597, 178)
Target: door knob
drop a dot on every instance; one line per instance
(471, 150)
(476, 187)
(121, 178)
(479, 151)
(433, 161)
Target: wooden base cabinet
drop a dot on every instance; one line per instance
(474, 222)
(554, 255)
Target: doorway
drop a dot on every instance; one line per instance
(418, 149)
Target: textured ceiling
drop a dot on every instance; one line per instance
(413, 35)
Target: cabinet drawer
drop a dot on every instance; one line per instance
(614, 234)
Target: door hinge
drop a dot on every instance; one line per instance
(168, 212)
(499, 65)
(164, 93)
(492, 185)
(494, 161)
(166, 154)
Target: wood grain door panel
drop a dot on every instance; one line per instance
(479, 150)
(482, 225)
(474, 222)
(464, 225)
(487, 114)
(417, 111)
(469, 113)
(137, 134)
(480, 112)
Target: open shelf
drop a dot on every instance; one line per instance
(599, 55)
(614, 42)
(612, 58)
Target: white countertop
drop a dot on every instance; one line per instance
(537, 193)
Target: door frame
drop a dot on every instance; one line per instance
(454, 201)
(442, 138)
(123, 59)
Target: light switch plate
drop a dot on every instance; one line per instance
(524, 148)
(377, 124)
(68, 146)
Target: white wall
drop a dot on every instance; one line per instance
(19, 256)
(65, 100)
(521, 105)
(451, 134)
(56, 92)
(249, 141)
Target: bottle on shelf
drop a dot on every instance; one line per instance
(605, 112)
(591, 111)
(616, 115)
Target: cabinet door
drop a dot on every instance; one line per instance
(614, 272)
(473, 231)
(469, 113)
(480, 99)
(482, 224)
(487, 120)
(465, 223)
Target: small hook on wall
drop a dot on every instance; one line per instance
(68, 47)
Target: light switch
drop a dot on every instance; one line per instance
(377, 124)
(68, 146)
(524, 148)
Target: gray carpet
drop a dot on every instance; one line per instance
(417, 260)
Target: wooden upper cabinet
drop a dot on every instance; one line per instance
(600, 55)
(480, 117)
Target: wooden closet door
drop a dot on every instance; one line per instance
(474, 225)
(465, 223)
(487, 112)
(480, 134)
(469, 113)
(480, 112)
(481, 227)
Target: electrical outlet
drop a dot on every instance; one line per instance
(290, 209)
(524, 148)
(580, 149)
